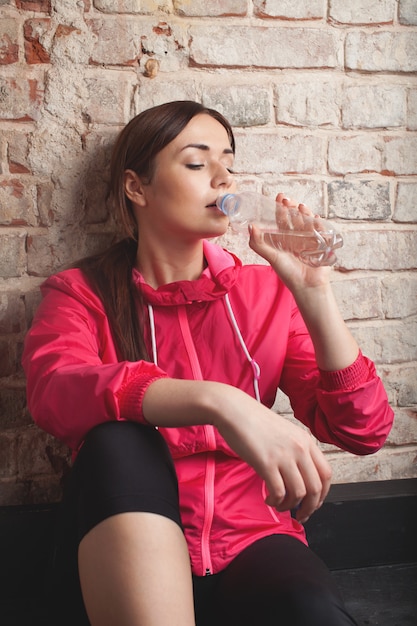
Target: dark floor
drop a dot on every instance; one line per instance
(381, 596)
(365, 533)
(375, 596)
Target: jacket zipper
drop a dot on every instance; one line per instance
(208, 504)
(211, 445)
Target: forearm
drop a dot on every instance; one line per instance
(335, 348)
(173, 403)
(334, 345)
(281, 453)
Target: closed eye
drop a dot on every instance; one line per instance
(199, 166)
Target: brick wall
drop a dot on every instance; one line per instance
(323, 96)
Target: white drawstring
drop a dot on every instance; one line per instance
(255, 366)
(153, 336)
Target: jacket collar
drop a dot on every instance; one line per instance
(215, 282)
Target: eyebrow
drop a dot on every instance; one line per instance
(203, 146)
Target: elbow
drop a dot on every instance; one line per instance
(365, 447)
(372, 436)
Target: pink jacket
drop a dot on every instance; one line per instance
(236, 324)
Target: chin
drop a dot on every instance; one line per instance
(216, 232)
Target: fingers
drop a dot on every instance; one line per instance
(306, 484)
(276, 491)
(317, 485)
(283, 199)
(258, 244)
(290, 203)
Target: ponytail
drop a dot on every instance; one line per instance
(110, 275)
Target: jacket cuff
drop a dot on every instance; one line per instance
(130, 396)
(346, 379)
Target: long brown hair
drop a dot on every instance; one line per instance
(110, 272)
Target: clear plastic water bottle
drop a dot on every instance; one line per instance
(311, 239)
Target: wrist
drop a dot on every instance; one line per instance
(314, 298)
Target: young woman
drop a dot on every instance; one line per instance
(157, 362)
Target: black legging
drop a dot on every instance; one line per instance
(277, 581)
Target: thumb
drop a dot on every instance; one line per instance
(258, 244)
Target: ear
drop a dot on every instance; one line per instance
(134, 189)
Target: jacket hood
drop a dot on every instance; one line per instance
(223, 270)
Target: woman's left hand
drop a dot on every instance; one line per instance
(334, 345)
(293, 272)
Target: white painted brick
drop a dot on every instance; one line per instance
(41, 260)
(117, 43)
(20, 97)
(242, 105)
(355, 154)
(64, 93)
(269, 47)
(143, 7)
(408, 12)
(95, 198)
(383, 51)
(406, 203)
(362, 11)
(109, 98)
(71, 46)
(9, 37)
(153, 92)
(12, 314)
(214, 8)
(374, 106)
(128, 40)
(37, 449)
(307, 103)
(288, 9)
(390, 341)
(401, 154)
(404, 430)
(390, 463)
(308, 191)
(412, 110)
(261, 153)
(17, 147)
(400, 383)
(12, 253)
(282, 404)
(377, 249)
(359, 199)
(358, 298)
(238, 243)
(17, 203)
(399, 295)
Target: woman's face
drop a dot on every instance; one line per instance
(190, 173)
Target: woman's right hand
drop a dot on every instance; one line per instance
(285, 455)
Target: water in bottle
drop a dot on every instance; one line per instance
(311, 239)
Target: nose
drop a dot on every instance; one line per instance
(222, 177)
